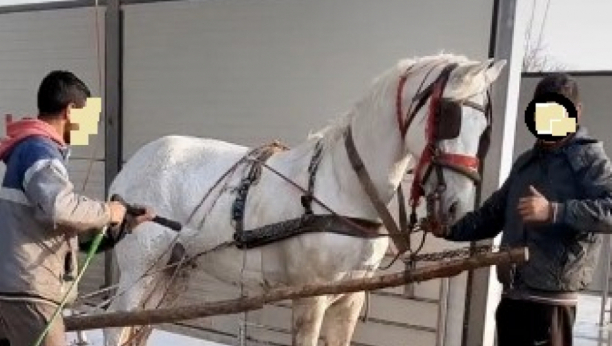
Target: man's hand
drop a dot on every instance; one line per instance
(434, 227)
(535, 207)
(149, 215)
(117, 212)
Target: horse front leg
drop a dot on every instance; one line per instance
(131, 299)
(307, 317)
(169, 285)
(341, 318)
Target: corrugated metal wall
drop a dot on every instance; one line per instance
(253, 71)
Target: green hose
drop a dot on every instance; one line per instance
(92, 251)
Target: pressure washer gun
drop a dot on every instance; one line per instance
(136, 210)
(100, 242)
(117, 232)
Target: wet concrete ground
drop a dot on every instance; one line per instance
(158, 338)
(587, 330)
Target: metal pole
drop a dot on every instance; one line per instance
(478, 325)
(442, 311)
(112, 109)
(606, 279)
(233, 306)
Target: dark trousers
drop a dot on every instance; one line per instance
(526, 323)
(22, 322)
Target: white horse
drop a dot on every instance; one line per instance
(172, 174)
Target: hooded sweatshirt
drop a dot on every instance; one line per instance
(20, 130)
(40, 215)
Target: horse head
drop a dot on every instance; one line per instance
(446, 125)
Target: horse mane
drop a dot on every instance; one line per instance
(379, 91)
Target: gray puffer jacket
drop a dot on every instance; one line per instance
(577, 177)
(40, 217)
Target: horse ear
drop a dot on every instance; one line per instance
(463, 72)
(481, 67)
(494, 71)
(467, 72)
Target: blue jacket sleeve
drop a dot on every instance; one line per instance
(48, 188)
(593, 213)
(485, 222)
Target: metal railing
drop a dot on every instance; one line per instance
(606, 284)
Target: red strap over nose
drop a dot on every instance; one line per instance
(461, 160)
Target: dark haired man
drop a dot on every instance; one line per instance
(42, 215)
(556, 199)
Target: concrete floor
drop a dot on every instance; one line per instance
(587, 331)
(158, 338)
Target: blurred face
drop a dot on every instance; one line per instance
(552, 117)
(80, 123)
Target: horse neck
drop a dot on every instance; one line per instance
(377, 139)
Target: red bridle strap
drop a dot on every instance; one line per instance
(460, 160)
(417, 190)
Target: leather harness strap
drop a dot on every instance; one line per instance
(401, 242)
(405, 124)
(308, 223)
(238, 207)
(307, 198)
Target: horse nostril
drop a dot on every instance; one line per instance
(453, 209)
